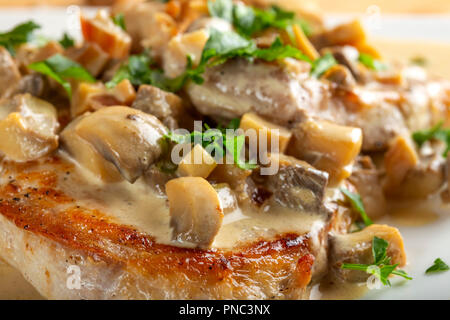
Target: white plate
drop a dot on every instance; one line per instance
(423, 244)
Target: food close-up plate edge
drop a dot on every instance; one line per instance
(423, 224)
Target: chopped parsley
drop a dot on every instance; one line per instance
(436, 132)
(357, 204)
(322, 64)
(249, 21)
(22, 33)
(67, 41)
(61, 69)
(119, 20)
(371, 63)
(141, 69)
(220, 47)
(438, 266)
(218, 142)
(381, 267)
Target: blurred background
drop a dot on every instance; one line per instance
(402, 30)
(392, 6)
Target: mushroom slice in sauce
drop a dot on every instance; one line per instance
(297, 185)
(9, 72)
(85, 155)
(365, 177)
(195, 210)
(126, 137)
(166, 106)
(28, 127)
(357, 248)
(110, 37)
(328, 147)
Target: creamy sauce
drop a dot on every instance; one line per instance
(330, 290)
(140, 206)
(13, 285)
(416, 213)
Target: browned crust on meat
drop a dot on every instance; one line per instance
(39, 210)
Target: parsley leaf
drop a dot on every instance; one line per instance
(60, 69)
(248, 20)
(438, 266)
(371, 63)
(140, 69)
(222, 46)
(222, 9)
(436, 132)
(381, 267)
(357, 204)
(322, 64)
(20, 34)
(67, 41)
(217, 142)
(119, 20)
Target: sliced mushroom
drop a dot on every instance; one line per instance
(110, 37)
(181, 46)
(351, 33)
(365, 178)
(9, 73)
(348, 57)
(28, 128)
(85, 155)
(357, 248)
(35, 84)
(197, 163)
(195, 210)
(94, 96)
(126, 137)
(398, 161)
(327, 146)
(90, 56)
(426, 177)
(296, 184)
(166, 106)
(235, 177)
(340, 77)
(265, 129)
(148, 24)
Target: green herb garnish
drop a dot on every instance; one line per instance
(61, 69)
(119, 20)
(141, 69)
(381, 267)
(67, 41)
(371, 63)
(218, 142)
(249, 21)
(321, 65)
(357, 204)
(436, 132)
(220, 47)
(438, 266)
(20, 34)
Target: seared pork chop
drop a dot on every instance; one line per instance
(52, 219)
